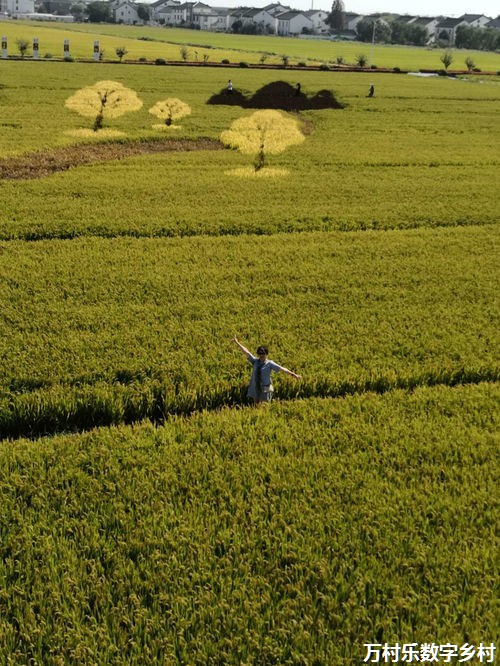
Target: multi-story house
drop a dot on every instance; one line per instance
(292, 23)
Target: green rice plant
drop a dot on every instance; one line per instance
(143, 321)
(160, 42)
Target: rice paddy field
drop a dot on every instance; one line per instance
(149, 515)
(149, 43)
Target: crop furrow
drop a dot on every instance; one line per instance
(63, 408)
(324, 224)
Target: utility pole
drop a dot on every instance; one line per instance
(373, 40)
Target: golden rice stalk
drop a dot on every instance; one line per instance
(262, 133)
(103, 100)
(170, 109)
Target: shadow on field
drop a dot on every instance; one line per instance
(278, 95)
(42, 164)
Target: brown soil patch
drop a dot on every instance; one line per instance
(39, 165)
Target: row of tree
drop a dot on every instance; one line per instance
(95, 12)
(483, 39)
(372, 29)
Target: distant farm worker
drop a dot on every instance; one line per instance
(229, 87)
(297, 90)
(371, 92)
(260, 388)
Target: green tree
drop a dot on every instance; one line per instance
(469, 63)
(336, 18)
(78, 10)
(446, 58)
(105, 99)
(143, 12)
(263, 133)
(121, 52)
(99, 12)
(22, 46)
(361, 60)
(373, 28)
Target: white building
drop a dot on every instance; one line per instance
(428, 23)
(318, 18)
(162, 6)
(251, 16)
(292, 23)
(475, 20)
(17, 7)
(125, 11)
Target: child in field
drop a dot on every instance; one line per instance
(260, 388)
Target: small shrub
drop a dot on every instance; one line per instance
(225, 61)
(160, 61)
(324, 67)
(184, 51)
(476, 69)
(361, 60)
(373, 66)
(340, 60)
(68, 58)
(142, 59)
(48, 56)
(446, 58)
(396, 69)
(243, 64)
(22, 45)
(121, 51)
(301, 64)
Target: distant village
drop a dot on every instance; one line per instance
(276, 19)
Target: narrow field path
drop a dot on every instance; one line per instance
(48, 162)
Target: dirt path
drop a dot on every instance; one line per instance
(41, 164)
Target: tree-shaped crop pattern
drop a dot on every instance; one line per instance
(103, 100)
(263, 133)
(170, 109)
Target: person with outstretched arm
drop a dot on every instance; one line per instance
(260, 388)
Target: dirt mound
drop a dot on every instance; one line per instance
(235, 98)
(39, 165)
(279, 95)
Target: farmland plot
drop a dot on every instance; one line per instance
(94, 330)
(154, 42)
(360, 507)
(289, 536)
(410, 158)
